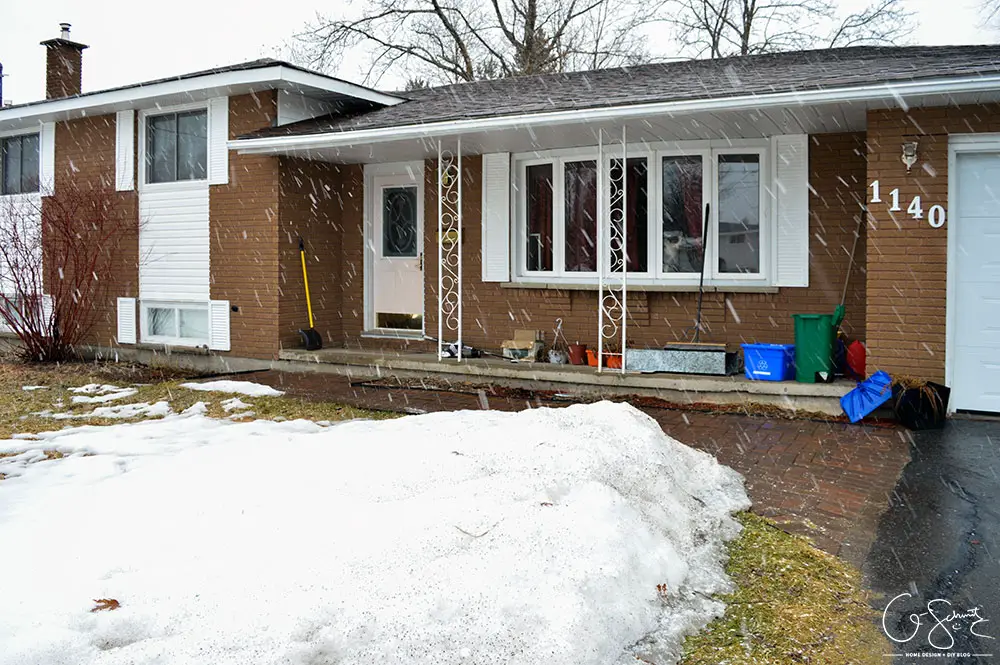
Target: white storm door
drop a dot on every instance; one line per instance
(398, 271)
(976, 384)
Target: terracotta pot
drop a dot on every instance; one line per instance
(592, 358)
(614, 361)
(577, 354)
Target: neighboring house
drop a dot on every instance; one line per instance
(228, 168)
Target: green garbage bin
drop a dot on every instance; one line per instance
(815, 335)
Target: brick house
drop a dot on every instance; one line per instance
(796, 157)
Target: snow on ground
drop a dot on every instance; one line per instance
(33, 388)
(95, 393)
(248, 388)
(234, 403)
(469, 537)
(123, 411)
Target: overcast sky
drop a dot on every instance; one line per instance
(129, 45)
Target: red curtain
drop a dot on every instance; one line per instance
(539, 251)
(581, 216)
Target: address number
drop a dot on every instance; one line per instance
(936, 215)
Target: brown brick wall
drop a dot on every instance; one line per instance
(85, 159)
(492, 312)
(63, 68)
(310, 208)
(244, 234)
(907, 259)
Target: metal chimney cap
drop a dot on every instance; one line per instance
(64, 30)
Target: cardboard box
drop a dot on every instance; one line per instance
(521, 351)
(529, 336)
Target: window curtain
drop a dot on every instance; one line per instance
(581, 216)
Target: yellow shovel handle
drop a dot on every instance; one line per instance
(305, 278)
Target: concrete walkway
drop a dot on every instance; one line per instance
(829, 481)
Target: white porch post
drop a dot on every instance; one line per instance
(449, 242)
(612, 254)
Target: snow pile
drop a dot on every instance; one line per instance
(33, 388)
(95, 393)
(235, 387)
(470, 537)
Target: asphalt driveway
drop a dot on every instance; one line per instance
(939, 542)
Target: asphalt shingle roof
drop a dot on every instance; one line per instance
(664, 82)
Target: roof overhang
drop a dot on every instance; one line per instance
(193, 89)
(848, 105)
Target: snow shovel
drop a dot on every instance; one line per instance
(310, 337)
(868, 396)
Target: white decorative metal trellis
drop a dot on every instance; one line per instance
(449, 242)
(612, 252)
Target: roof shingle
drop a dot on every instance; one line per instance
(664, 82)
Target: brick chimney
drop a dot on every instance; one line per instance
(63, 65)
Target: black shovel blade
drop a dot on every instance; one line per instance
(311, 339)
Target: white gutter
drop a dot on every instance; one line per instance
(140, 96)
(882, 91)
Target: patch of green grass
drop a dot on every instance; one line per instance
(793, 604)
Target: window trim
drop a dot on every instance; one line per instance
(708, 149)
(20, 134)
(142, 139)
(146, 337)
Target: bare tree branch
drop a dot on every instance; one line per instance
(443, 41)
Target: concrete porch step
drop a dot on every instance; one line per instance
(676, 388)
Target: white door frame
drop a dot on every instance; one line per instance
(413, 172)
(957, 143)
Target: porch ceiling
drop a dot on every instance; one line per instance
(760, 121)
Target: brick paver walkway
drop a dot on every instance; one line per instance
(829, 481)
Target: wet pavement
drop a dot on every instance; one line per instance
(939, 543)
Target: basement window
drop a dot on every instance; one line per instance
(19, 164)
(177, 147)
(180, 324)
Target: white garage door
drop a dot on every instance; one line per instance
(976, 384)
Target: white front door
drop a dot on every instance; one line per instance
(397, 294)
(976, 383)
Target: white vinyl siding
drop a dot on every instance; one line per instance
(174, 243)
(125, 151)
(218, 136)
(791, 203)
(496, 217)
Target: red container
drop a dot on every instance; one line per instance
(592, 357)
(578, 354)
(857, 356)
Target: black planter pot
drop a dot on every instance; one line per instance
(922, 408)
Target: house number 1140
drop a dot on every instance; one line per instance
(936, 216)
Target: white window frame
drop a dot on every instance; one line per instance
(144, 115)
(148, 338)
(11, 134)
(708, 150)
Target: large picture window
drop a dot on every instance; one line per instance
(659, 198)
(177, 147)
(19, 164)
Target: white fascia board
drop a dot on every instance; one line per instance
(894, 92)
(199, 88)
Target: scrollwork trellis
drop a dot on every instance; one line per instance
(450, 246)
(612, 255)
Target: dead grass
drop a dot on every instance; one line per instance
(20, 409)
(793, 604)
